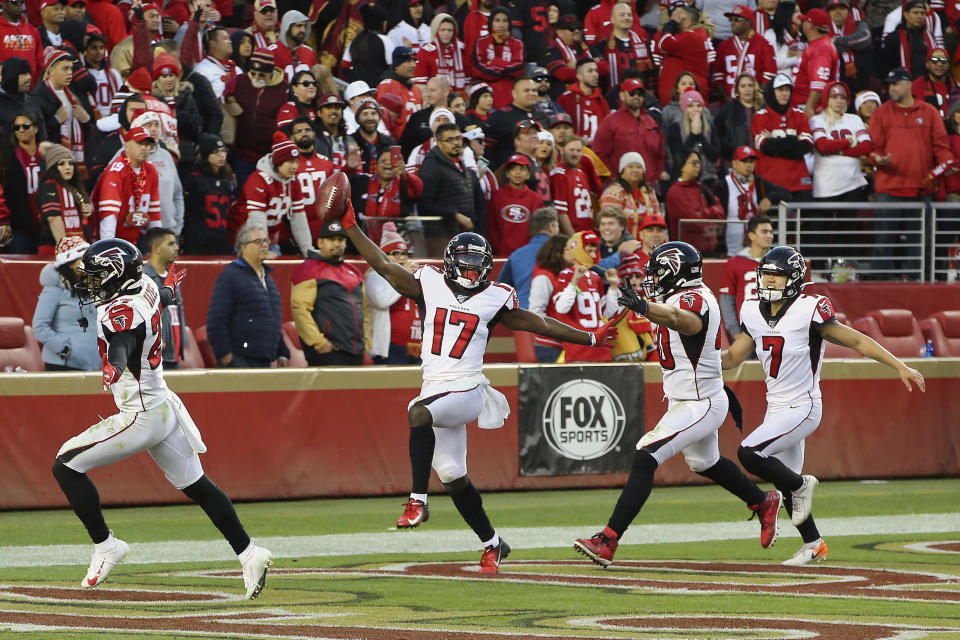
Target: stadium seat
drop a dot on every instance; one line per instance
(206, 351)
(835, 350)
(943, 328)
(18, 347)
(192, 358)
(292, 340)
(895, 329)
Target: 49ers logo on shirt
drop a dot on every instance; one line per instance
(121, 317)
(515, 213)
(136, 219)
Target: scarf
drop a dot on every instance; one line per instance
(569, 53)
(905, 46)
(507, 54)
(228, 66)
(849, 26)
(450, 63)
(73, 222)
(622, 55)
(746, 198)
(137, 188)
(71, 134)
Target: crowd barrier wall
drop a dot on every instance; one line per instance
(299, 433)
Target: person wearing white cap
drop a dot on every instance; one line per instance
(355, 94)
(781, 133)
(396, 329)
(865, 104)
(438, 116)
(67, 330)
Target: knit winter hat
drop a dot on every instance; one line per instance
(391, 240)
(71, 247)
(689, 97)
(140, 80)
(283, 149)
(165, 64)
(55, 153)
(209, 143)
(262, 60)
(631, 157)
(142, 117)
(441, 111)
(52, 55)
(865, 96)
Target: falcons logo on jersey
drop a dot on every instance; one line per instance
(112, 258)
(671, 259)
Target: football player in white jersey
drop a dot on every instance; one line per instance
(787, 328)
(688, 332)
(151, 417)
(459, 307)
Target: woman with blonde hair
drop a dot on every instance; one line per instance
(694, 132)
(632, 193)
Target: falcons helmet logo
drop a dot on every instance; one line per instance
(796, 261)
(671, 259)
(112, 258)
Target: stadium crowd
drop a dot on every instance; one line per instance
(575, 135)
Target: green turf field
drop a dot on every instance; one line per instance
(691, 567)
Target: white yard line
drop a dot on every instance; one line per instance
(429, 540)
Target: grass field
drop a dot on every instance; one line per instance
(691, 567)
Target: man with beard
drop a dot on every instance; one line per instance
(289, 51)
(631, 128)
(937, 85)
(387, 192)
(328, 293)
(502, 124)
(333, 141)
(584, 101)
(260, 93)
(367, 136)
(398, 81)
(312, 170)
(563, 54)
(545, 103)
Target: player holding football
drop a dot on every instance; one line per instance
(787, 328)
(459, 307)
(151, 417)
(689, 339)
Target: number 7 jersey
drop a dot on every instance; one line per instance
(456, 328)
(141, 386)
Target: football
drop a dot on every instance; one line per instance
(332, 197)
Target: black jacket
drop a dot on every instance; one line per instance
(733, 128)
(243, 318)
(448, 189)
(678, 149)
(501, 129)
(206, 200)
(46, 104)
(417, 130)
(12, 102)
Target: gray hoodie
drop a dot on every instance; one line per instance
(57, 323)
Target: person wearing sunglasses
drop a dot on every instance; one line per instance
(303, 100)
(21, 161)
(259, 94)
(264, 27)
(937, 85)
(631, 128)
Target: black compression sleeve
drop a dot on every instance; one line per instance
(121, 346)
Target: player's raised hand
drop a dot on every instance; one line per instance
(110, 375)
(631, 300)
(907, 374)
(606, 335)
(174, 277)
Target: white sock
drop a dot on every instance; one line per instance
(422, 497)
(247, 553)
(814, 544)
(492, 542)
(106, 545)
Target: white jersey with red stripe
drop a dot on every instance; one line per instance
(141, 385)
(691, 364)
(789, 345)
(456, 327)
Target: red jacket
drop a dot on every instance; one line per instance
(264, 194)
(411, 99)
(508, 218)
(819, 66)
(687, 200)
(917, 141)
(571, 196)
(621, 132)
(734, 58)
(684, 51)
(498, 64)
(21, 41)
(475, 26)
(781, 154)
(587, 111)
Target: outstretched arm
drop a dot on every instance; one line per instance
(667, 315)
(523, 320)
(737, 353)
(848, 337)
(398, 277)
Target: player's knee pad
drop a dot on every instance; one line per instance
(457, 485)
(448, 468)
(749, 458)
(419, 417)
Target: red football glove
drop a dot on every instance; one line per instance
(174, 277)
(606, 335)
(110, 375)
(349, 218)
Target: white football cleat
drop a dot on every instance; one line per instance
(101, 564)
(802, 500)
(806, 555)
(255, 571)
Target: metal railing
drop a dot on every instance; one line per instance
(945, 241)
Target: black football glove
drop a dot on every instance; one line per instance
(631, 300)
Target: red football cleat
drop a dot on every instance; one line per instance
(490, 560)
(600, 548)
(415, 512)
(767, 512)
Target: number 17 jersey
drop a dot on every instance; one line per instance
(456, 327)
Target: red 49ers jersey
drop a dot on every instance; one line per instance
(585, 314)
(141, 385)
(456, 328)
(311, 173)
(789, 346)
(115, 197)
(571, 195)
(740, 279)
(691, 364)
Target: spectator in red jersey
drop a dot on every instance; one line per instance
(62, 200)
(579, 300)
(398, 81)
(207, 193)
(109, 19)
(734, 118)
(290, 53)
(687, 199)
(18, 38)
(444, 56)
(653, 233)
(480, 105)
(303, 101)
(739, 280)
(819, 65)
(571, 189)
(312, 170)
(782, 135)
(563, 54)
(551, 259)
(952, 179)
(746, 52)
(631, 128)
(911, 152)
(744, 195)
(624, 49)
(584, 101)
(684, 47)
(326, 301)
(259, 94)
(271, 197)
(128, 192)
(497, 58)
(937, 86)
(389, 192)
(396, 328)
(475, 26)
(264, 27)
(510, 208)
(632, 193)
(694, 132)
